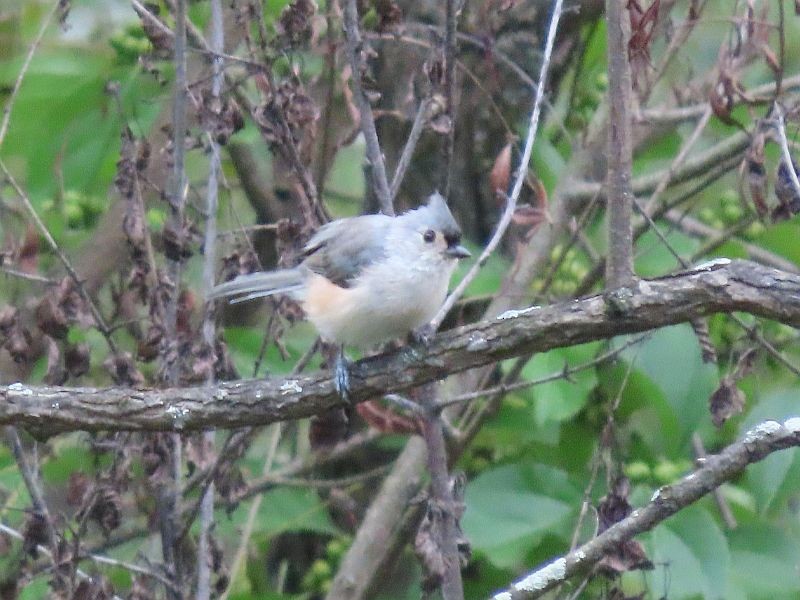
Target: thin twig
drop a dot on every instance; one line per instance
(678, 160)
(367, 120)
(780, 128)
(24, 69)
(450, 51)
(408, 150)
(209, 330)
(31, 479)
(243, 231)
(326, 121)
(26, 276)
(667, 115)
(695, 166)
(241, 551)
(565, 373)
(522, 171)
(722, 504)
(167, 503)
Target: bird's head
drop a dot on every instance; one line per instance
(436, 232)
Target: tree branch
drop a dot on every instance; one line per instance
(619, 265)
(719, 286)
(757, 444)
(374, 153)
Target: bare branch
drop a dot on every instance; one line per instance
(367, 119)
(209, 330)
(452, 11)
(619, 264)
(719, 286)
(408, 150)
(757, 444)
(695, 166)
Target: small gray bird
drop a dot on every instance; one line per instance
(367, 279)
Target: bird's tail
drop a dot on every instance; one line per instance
(259, 285)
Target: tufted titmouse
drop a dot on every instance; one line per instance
(367, 279)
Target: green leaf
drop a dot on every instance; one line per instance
(293, 509)
(560, 400)
(765, 560)
(695, 553)
(671, 359)
(511, 507)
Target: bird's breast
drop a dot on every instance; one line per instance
(385, 302)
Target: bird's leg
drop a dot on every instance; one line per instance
(341, 375)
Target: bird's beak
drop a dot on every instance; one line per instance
(457, 252)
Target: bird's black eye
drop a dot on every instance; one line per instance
(429, 235)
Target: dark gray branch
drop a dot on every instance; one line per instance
(719, 286)
(756, 445)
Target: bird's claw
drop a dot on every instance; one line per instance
(423, 335)
(341, 376)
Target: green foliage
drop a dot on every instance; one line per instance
(506, 517)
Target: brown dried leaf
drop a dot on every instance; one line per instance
(155, 455)
(150, 345)
(28, 254)
(500, 174)
(726, 401)
(76, 359)
(385, 420)
(786, 193)
(50, 317)
(18, 344)
(756, 175)
(9, 319)
(221, 117)
(77, 487)
(94, 588)
(104, 508)
(643, 24)
(123, 370)
(142, 588)
(390, 16)
(628, 555)
(721, 99)
(614, 506)
(225, 369)
(177, 241)
(328, 429)
(157, 34)
(295, 24)
(34, 534)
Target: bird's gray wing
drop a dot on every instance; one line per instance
(342, 249)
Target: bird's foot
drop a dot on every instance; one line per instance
(422, 335)
(341, 376)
